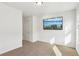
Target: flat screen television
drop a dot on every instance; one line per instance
(55, 23)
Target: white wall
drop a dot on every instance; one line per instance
(62, 37)
(27, 28)
(10, 28)
(34, 25)
(30, 28)
(77, 29)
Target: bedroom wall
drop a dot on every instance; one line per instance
(27, 28)
(62, 37)
(30, 28)
(34, 26)
(66, 37)
(77, 29)
(10, 28)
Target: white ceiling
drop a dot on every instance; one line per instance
(29, 8)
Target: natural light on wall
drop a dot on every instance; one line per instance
(68, 33)
(67, 28)
(77, 32)
(52, 41)
(68, 39)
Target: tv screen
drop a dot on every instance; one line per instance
(55, 23)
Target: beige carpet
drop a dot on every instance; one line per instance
(40, 49)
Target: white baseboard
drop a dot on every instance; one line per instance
(43, 41)
(9, 49)
(32, 40)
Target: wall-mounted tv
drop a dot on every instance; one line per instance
(55, 23)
